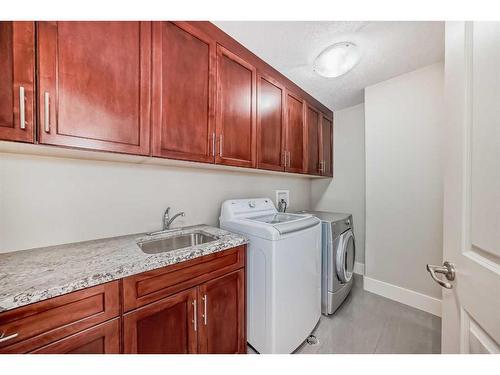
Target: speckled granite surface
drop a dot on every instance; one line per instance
(34, 275)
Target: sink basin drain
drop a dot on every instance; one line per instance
(312, 340)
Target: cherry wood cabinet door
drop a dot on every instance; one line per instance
(313, 126)
(184, 63)
(101, 339)
(222, 315)
(236, 114)
(168, 326)
(17, 69)
(94, 85)
(327, 146)
(270, 124)
(295, 134)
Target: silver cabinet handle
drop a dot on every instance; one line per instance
(22, 108)
(205, 312)
(4, 338)
(195, 313)
(213, 144)
(46, 97)
(220, 146)
(289, 159)
(447, 269)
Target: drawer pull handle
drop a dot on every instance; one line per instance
(4, 338)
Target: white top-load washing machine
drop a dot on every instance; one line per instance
(283, 272)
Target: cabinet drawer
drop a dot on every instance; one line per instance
(147, 287)
(44, 322)
(101, 339)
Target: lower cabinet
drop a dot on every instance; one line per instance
(196, 306)
(209, 318)
(168, 326)
(222, 315)
(101, 339)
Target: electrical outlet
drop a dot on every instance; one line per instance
(283, 194)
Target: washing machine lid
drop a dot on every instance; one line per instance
(260, 218)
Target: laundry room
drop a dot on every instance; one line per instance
(269, 185)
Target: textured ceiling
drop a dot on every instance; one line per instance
(388, 49)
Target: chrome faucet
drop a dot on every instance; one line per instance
(167, 220)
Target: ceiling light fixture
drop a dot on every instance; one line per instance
(337, 59)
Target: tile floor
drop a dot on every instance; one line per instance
(369, 323)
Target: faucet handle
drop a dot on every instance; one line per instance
(167, 211)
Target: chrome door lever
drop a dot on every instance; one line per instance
(447, 269)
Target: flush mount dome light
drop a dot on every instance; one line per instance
(337, 59)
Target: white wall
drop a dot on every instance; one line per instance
(48, 201)
(346, 191)
(404, 179)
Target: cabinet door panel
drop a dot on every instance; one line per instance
(222, 315)
(101, 339)
(327, 145)
(295, 134)
(236, 125)
(94, 80)
(17, 67)
(313, 125)
(184, 92)
(270, 124)
(163, 327)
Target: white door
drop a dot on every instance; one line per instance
(471, 308)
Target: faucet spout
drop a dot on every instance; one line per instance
(173, 218)
(167, 221)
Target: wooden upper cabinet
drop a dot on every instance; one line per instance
(184, 63)
(235, 114)
(295, 134)
(327, 146)
(222, 315)
(17, 69)
(270, 124)
(313, 126)
(168, 326)
(94, 85)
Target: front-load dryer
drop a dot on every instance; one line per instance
(338, 252)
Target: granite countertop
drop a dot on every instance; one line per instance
(34, 275)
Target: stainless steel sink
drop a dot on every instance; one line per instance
(176, 242)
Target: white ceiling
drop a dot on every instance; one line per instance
(388, 49)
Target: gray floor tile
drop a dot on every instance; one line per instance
(369, 323)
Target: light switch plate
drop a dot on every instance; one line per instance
(283, 194)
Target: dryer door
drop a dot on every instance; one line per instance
(345, 256)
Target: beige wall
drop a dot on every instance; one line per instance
(346, 191)
(48, 201)
(404, 179)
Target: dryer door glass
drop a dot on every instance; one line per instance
(345, 257)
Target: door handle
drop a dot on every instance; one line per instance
(205, 312)
(447, 269)
(195, 318)
(22, 108)
(213, 144)
(46, 101)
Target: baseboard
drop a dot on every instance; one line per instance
(406, 296)
(359, 268)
